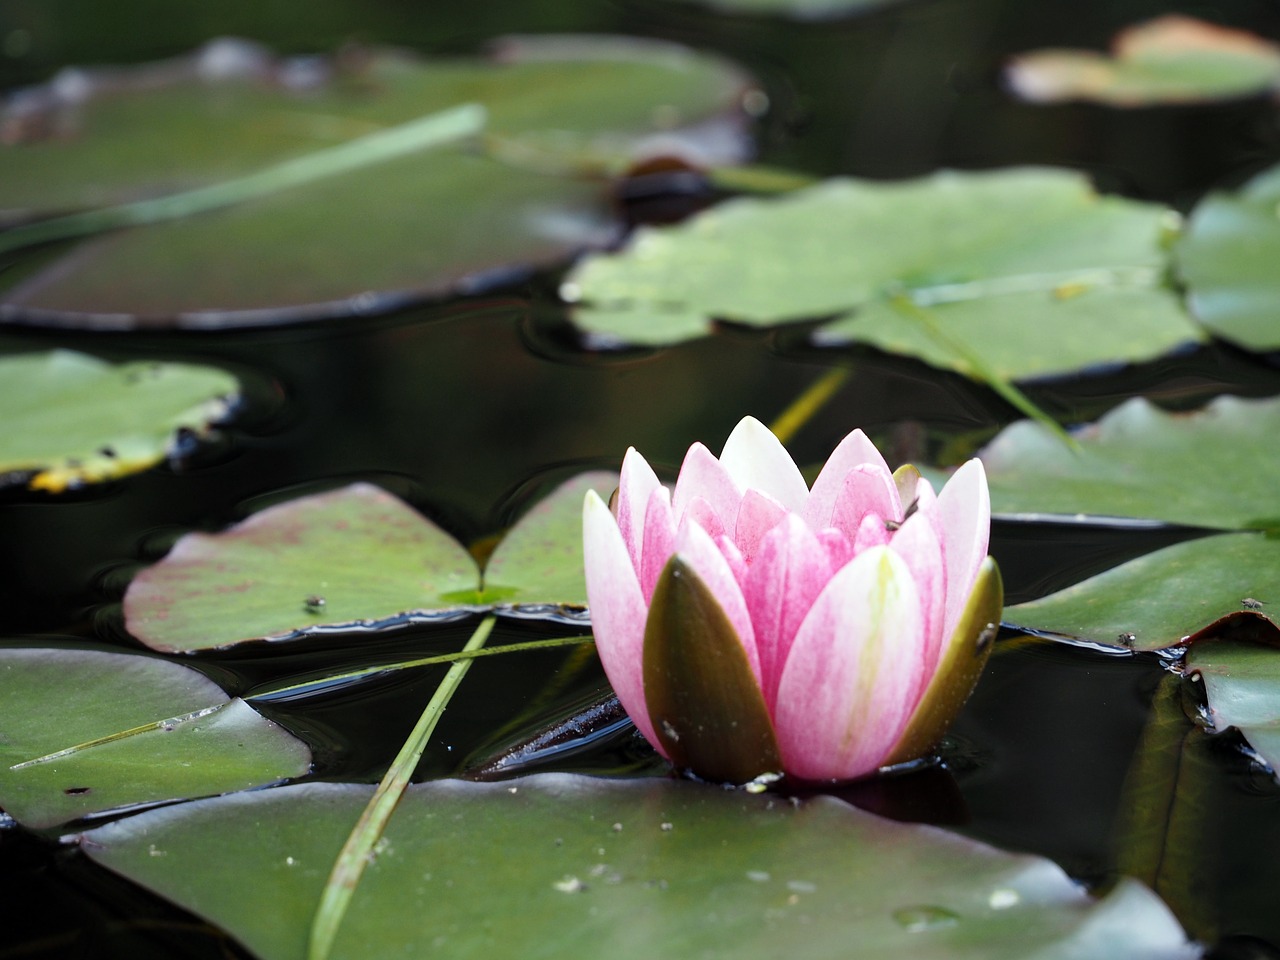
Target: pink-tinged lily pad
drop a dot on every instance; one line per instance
(352, 557)
(569, 866)
(129, 730)
(525, 193)
(71, 419)
(1173, 59)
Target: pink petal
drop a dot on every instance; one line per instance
(853, 450)
(872, 532)
(737, 563)
(702, 476)
(700, 552)
(618, 610)
(636, 484)
(788, 574)
(700, 512)
(757, 460)
(757, 515)
(867, 491)
(659, 540)
(963, 517)
(917, 544)
(844, 699)
(838, 547)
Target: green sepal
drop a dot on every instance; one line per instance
(704, 702)
(959, 667)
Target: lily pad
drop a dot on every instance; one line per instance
(1227, 259)
(1215, 467)
(1242, 686)
(561, 865)
(1027, 268)
(71, 419)
(1172, 59)
(1166, 597)
(410, 226)
(196, 741)
(347, 558)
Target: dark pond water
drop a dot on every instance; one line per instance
(469, 409)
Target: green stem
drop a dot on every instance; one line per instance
(465, 654)
(907, 307)
(432, 130)
(802, 409)
(358, 850)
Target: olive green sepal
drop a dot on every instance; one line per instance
(959, 667)
(704, 702)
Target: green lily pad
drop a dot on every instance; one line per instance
(1163, 598)
(1227, 259)
(1027, 268)
(1173, 59)
(414, 225)
(797, 9)
(196, 742)
(352, 557)
(1242, 686)
(1215, 467)
(569, 866)
(71, 419)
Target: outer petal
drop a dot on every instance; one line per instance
(618, 610)
(844, 698)
(701, 554)
(659, 540)
(701, 475)
(917, 544)
(790, 571)
(756, 459)
(963, 516)
(757, 515)
(636, 484)
(853, 450)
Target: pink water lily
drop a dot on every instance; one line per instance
(750, 624)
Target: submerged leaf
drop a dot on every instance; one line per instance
(1028, 268)
(369, 238)
(70, 418)
(186, 739)
(1173, 59)
(351, 557)
(1227, 259)
(562, 865)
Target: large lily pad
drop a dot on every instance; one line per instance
(352, 557)
(70, 418)
(1242, 687)
(1165, 597)
(410, 226)
(1028, 269)
(1227, 259)
(196, 741)
(1173, 59)
(1215, 467)
(561, 865)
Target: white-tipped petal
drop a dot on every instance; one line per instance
(636, 484)
(845, 694)
(963, 519)
(757, 515)
(659, 540)
(617, 607)
(867, 491)
(756, 459)
(917, 543)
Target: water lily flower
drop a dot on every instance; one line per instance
(752, 625)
